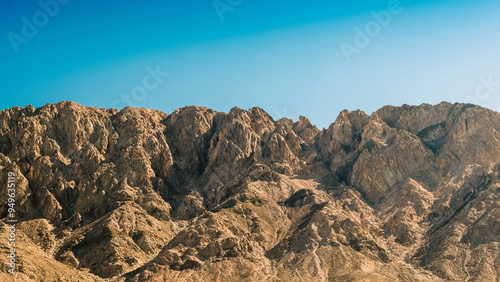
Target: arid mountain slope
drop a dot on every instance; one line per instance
(408, 193)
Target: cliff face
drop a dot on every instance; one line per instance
(409, 193)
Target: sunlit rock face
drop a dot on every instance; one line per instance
(407, 193)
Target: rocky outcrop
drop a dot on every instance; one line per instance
(407, 193)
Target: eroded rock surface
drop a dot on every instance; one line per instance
(408, 193)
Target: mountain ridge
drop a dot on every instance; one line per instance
(407, 193)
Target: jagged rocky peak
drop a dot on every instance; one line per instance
(407, 193)
(416, 118)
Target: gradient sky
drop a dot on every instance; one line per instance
(283, 56)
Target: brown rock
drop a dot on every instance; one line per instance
(408, 193)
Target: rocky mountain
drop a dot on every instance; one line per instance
(407, 193)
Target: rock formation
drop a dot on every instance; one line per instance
(407, 193)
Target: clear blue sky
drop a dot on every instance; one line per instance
(283, 56)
